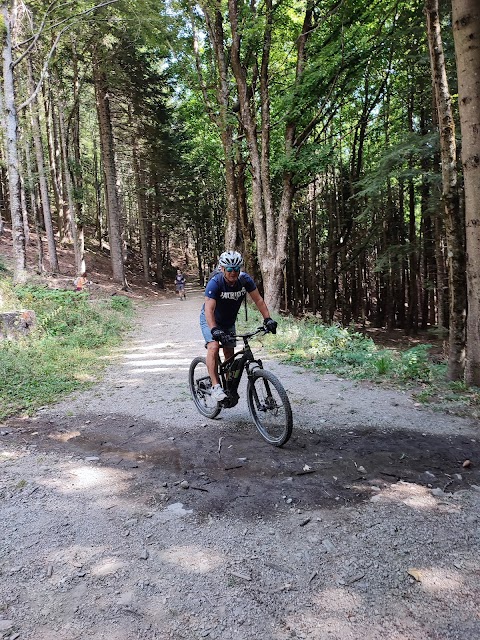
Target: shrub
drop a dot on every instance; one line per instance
(67, 349)
(415, 365)
(336, 349)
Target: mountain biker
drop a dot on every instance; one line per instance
(224, 294)
(180, 284)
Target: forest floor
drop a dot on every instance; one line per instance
(126, 514)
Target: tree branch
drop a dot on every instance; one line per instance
(32, 97)
(201, 82)
(36, 36)
(34, 39)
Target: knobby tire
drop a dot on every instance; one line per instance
(270, 407)
(204, 402)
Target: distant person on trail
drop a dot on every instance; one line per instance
(180, 284)
(81, 282)
(224, 294)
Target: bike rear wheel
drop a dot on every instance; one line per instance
(201, 388)
(270, 407)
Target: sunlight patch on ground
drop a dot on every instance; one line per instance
(107, 567)
(192, 559)
(87, 477)
(337, 600)
(160, 361)
(438, 579)
(179, 367)
(84, 377)
(101, 479)
(331, 611)
(146, 348)
(8, 455)
(412, 495)
(74, 557)
(129, 382)
(64, 437)
(178, 509)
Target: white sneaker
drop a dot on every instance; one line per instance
(218, 393)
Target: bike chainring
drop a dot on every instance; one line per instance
(231, 400)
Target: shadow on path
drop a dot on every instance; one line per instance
(231, 470)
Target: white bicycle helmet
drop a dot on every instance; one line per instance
(230, 259)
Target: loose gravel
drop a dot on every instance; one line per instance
(127, 515)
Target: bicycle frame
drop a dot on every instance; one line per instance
(245, 360)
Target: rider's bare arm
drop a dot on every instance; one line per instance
(260, 302)
(210, 305)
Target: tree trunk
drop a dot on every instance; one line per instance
(77, 240)
(97, 186)
(294, 294)
(76, 174)
(42, 179)
(466, 31)
(313, 276)
(271, 233)
(4, 211)
(214, 22)
(141, 201)
(328, 308)
(112, 199)
(54, 158)
(9, 113)
(414, 263)
(245, 226)
(247, 115)
(34, 208)
(453, 223)
(23, 202)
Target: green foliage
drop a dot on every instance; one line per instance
(120, 303)
(414, 364)
(336, 349)
(64, 353)
(7, 297)
(383, 364)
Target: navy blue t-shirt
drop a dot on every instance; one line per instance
(229, 298)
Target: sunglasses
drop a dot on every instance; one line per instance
(230, 269)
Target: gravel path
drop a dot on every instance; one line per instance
(365, 525)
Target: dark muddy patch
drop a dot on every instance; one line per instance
(230, 469)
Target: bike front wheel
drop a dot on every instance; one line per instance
(201, 388)
(269, 407)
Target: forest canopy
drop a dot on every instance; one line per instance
(332, 143)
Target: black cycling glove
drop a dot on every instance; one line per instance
(218, 334)
(270, 325)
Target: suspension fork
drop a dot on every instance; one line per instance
(250, 372)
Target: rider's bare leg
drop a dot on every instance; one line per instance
(212, 360)
(227, 352)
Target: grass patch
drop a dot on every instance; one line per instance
(67, 350)
(336, 349)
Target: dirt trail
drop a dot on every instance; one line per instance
(99, 539)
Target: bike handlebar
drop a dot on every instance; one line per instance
(261, 329)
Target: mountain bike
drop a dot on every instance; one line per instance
(267, 400)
